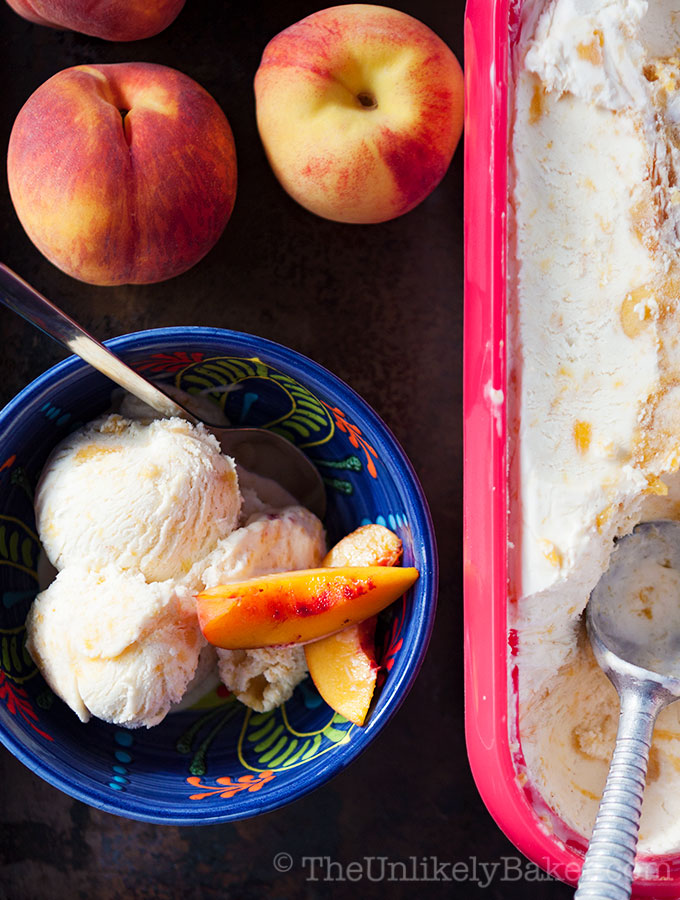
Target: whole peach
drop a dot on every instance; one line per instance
(359, 109)
(113, 20)
(122, 173)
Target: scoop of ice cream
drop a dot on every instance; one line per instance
(114, 646)
(264, 678)
(292, 538)
(275, 541)
(153, 497)
(259, 493)
(137, 515)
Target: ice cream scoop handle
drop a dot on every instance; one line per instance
(607, 872)
(21, 298)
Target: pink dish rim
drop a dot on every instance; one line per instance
(489, 644)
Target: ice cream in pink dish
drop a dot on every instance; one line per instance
(572, 363)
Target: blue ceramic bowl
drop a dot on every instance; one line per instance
(218, 761)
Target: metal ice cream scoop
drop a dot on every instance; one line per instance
(256, 449)
(633, 621)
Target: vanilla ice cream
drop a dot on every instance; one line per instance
(263, 678)
(155, 497)
(137, 516)
(272, 541)
(594, 388)
(114, 646)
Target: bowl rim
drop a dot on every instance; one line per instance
(394, 691)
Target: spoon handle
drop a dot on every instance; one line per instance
(607, 872)
(21, 298)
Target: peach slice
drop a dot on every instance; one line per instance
(344, 669)
(343, 666)
(369, 545)
(296, 607)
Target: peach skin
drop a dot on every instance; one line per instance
(122, 173)
(295, 607)
(343, 666)
(368, 545)
(112, 20)
(359, 109)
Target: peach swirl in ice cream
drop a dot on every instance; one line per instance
(594, 387)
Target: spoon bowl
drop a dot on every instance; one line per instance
(633, 622)
(263, 452)
(633, 616)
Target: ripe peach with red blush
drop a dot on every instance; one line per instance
(112, 20)
(360, 109)
(122, 173)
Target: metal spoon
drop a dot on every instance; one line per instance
(633, 621)
(256, 449)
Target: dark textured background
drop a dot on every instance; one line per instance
(381, 306)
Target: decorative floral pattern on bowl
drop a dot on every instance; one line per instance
(236, 762)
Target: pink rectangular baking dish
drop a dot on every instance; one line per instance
(494, 748)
